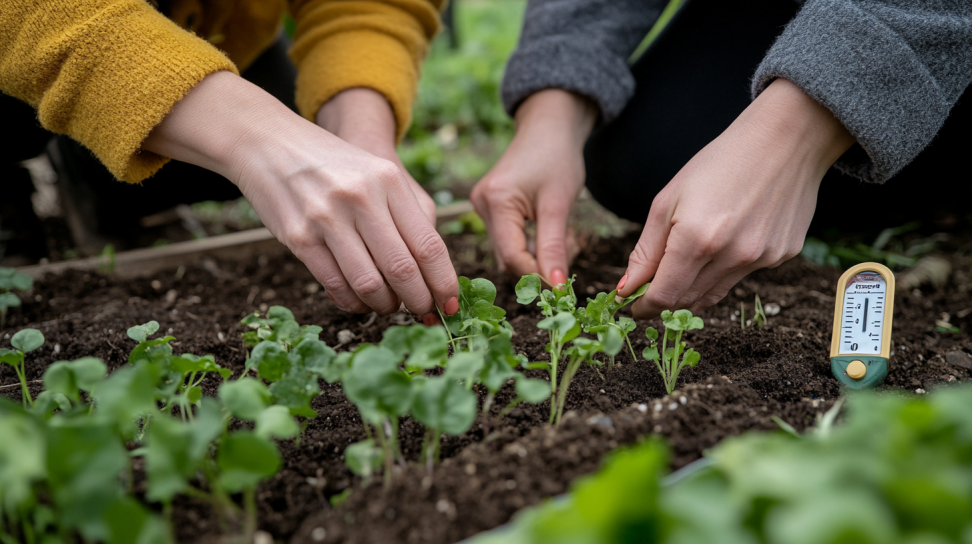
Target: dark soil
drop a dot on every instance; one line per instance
(745, 377)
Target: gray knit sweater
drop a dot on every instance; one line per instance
(890, 70)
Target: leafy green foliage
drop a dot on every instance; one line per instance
(670, 360)
(23, 341)
(10, 281)
(896, 472)
(65, 468)
(565, 322)
(888, 248)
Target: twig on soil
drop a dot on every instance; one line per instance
(18, 385)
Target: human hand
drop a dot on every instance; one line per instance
(363, 117)
(742, 203)
(537, 178)
(351, 217)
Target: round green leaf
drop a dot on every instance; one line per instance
(245, 398)
(22, 281)
(276, 422)
(244, 460)
(140, 333)
(363, 458)
(270, 360)
(9, 300)
(651, 333)
(531, 390)
(445, 405)
(528, 289)
(27, 340)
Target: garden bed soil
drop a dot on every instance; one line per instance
(745, 377)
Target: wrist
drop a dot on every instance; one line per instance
(797, 125)
(361, 117)
(558, 115)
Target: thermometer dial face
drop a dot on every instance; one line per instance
(862, 319)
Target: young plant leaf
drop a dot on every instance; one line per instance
(377, 385)
(27, 340)
(528, 289)
(140, 333)
(276, 422)
(532, 390)
(363, 458)
(244, 460)
(245, 398)
(443, 404)
(270, 360)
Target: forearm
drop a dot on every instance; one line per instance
(226, 124)
(557, 116)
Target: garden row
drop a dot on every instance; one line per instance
(395, 398)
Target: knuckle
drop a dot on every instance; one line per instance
(368, 284)
(389, 173)
(430, 247)
(401, 268)
(300, 238)
(747, 255)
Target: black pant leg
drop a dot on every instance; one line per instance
(24, 138)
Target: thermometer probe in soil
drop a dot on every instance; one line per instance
(861, 344)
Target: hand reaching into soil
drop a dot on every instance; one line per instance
(742, 203)
(351, 217)
(537, 178)
(363, 117)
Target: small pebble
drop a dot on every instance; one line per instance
(920, 391)
(511, 484)
(642, 408)
(262, 537)
(683, 400)
(345, 336)
(771, 309)
(318, 534)
(442, 506)
(157, 285)
(658, 407)
(673, 406)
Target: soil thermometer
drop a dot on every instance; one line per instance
(861, 344)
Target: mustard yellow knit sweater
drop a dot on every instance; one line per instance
(105, 72)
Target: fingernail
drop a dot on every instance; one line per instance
(452, 306)
(621, 283)
(558, 277)
(431, 320)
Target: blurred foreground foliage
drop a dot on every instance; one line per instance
(898, 471)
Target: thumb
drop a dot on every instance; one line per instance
(552, 216)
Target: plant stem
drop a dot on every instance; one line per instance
(666, 363)
(675, 355)
(250, 510)
(22, 374)
(554, 361)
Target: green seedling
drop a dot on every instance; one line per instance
(181, 376)
(671, 360)
(759, 316)
(564, 323)
(10, 281)
(23, 342)
(290, 356)
(478, 320)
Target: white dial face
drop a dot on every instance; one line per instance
(862, 322)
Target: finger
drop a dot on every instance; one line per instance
(552, 217)
(362, 274)
(712, 274)
(644, 260)
(679, 267)
(321, 263)
(423, 198)
(721, 288)
(481, 205)
(510, 242)
(396, 263)
(429, 253)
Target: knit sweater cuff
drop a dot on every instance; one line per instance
(890, 103)
(358, 58)
(556, 62)
(122, 67)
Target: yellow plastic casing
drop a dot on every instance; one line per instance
(888, 276)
